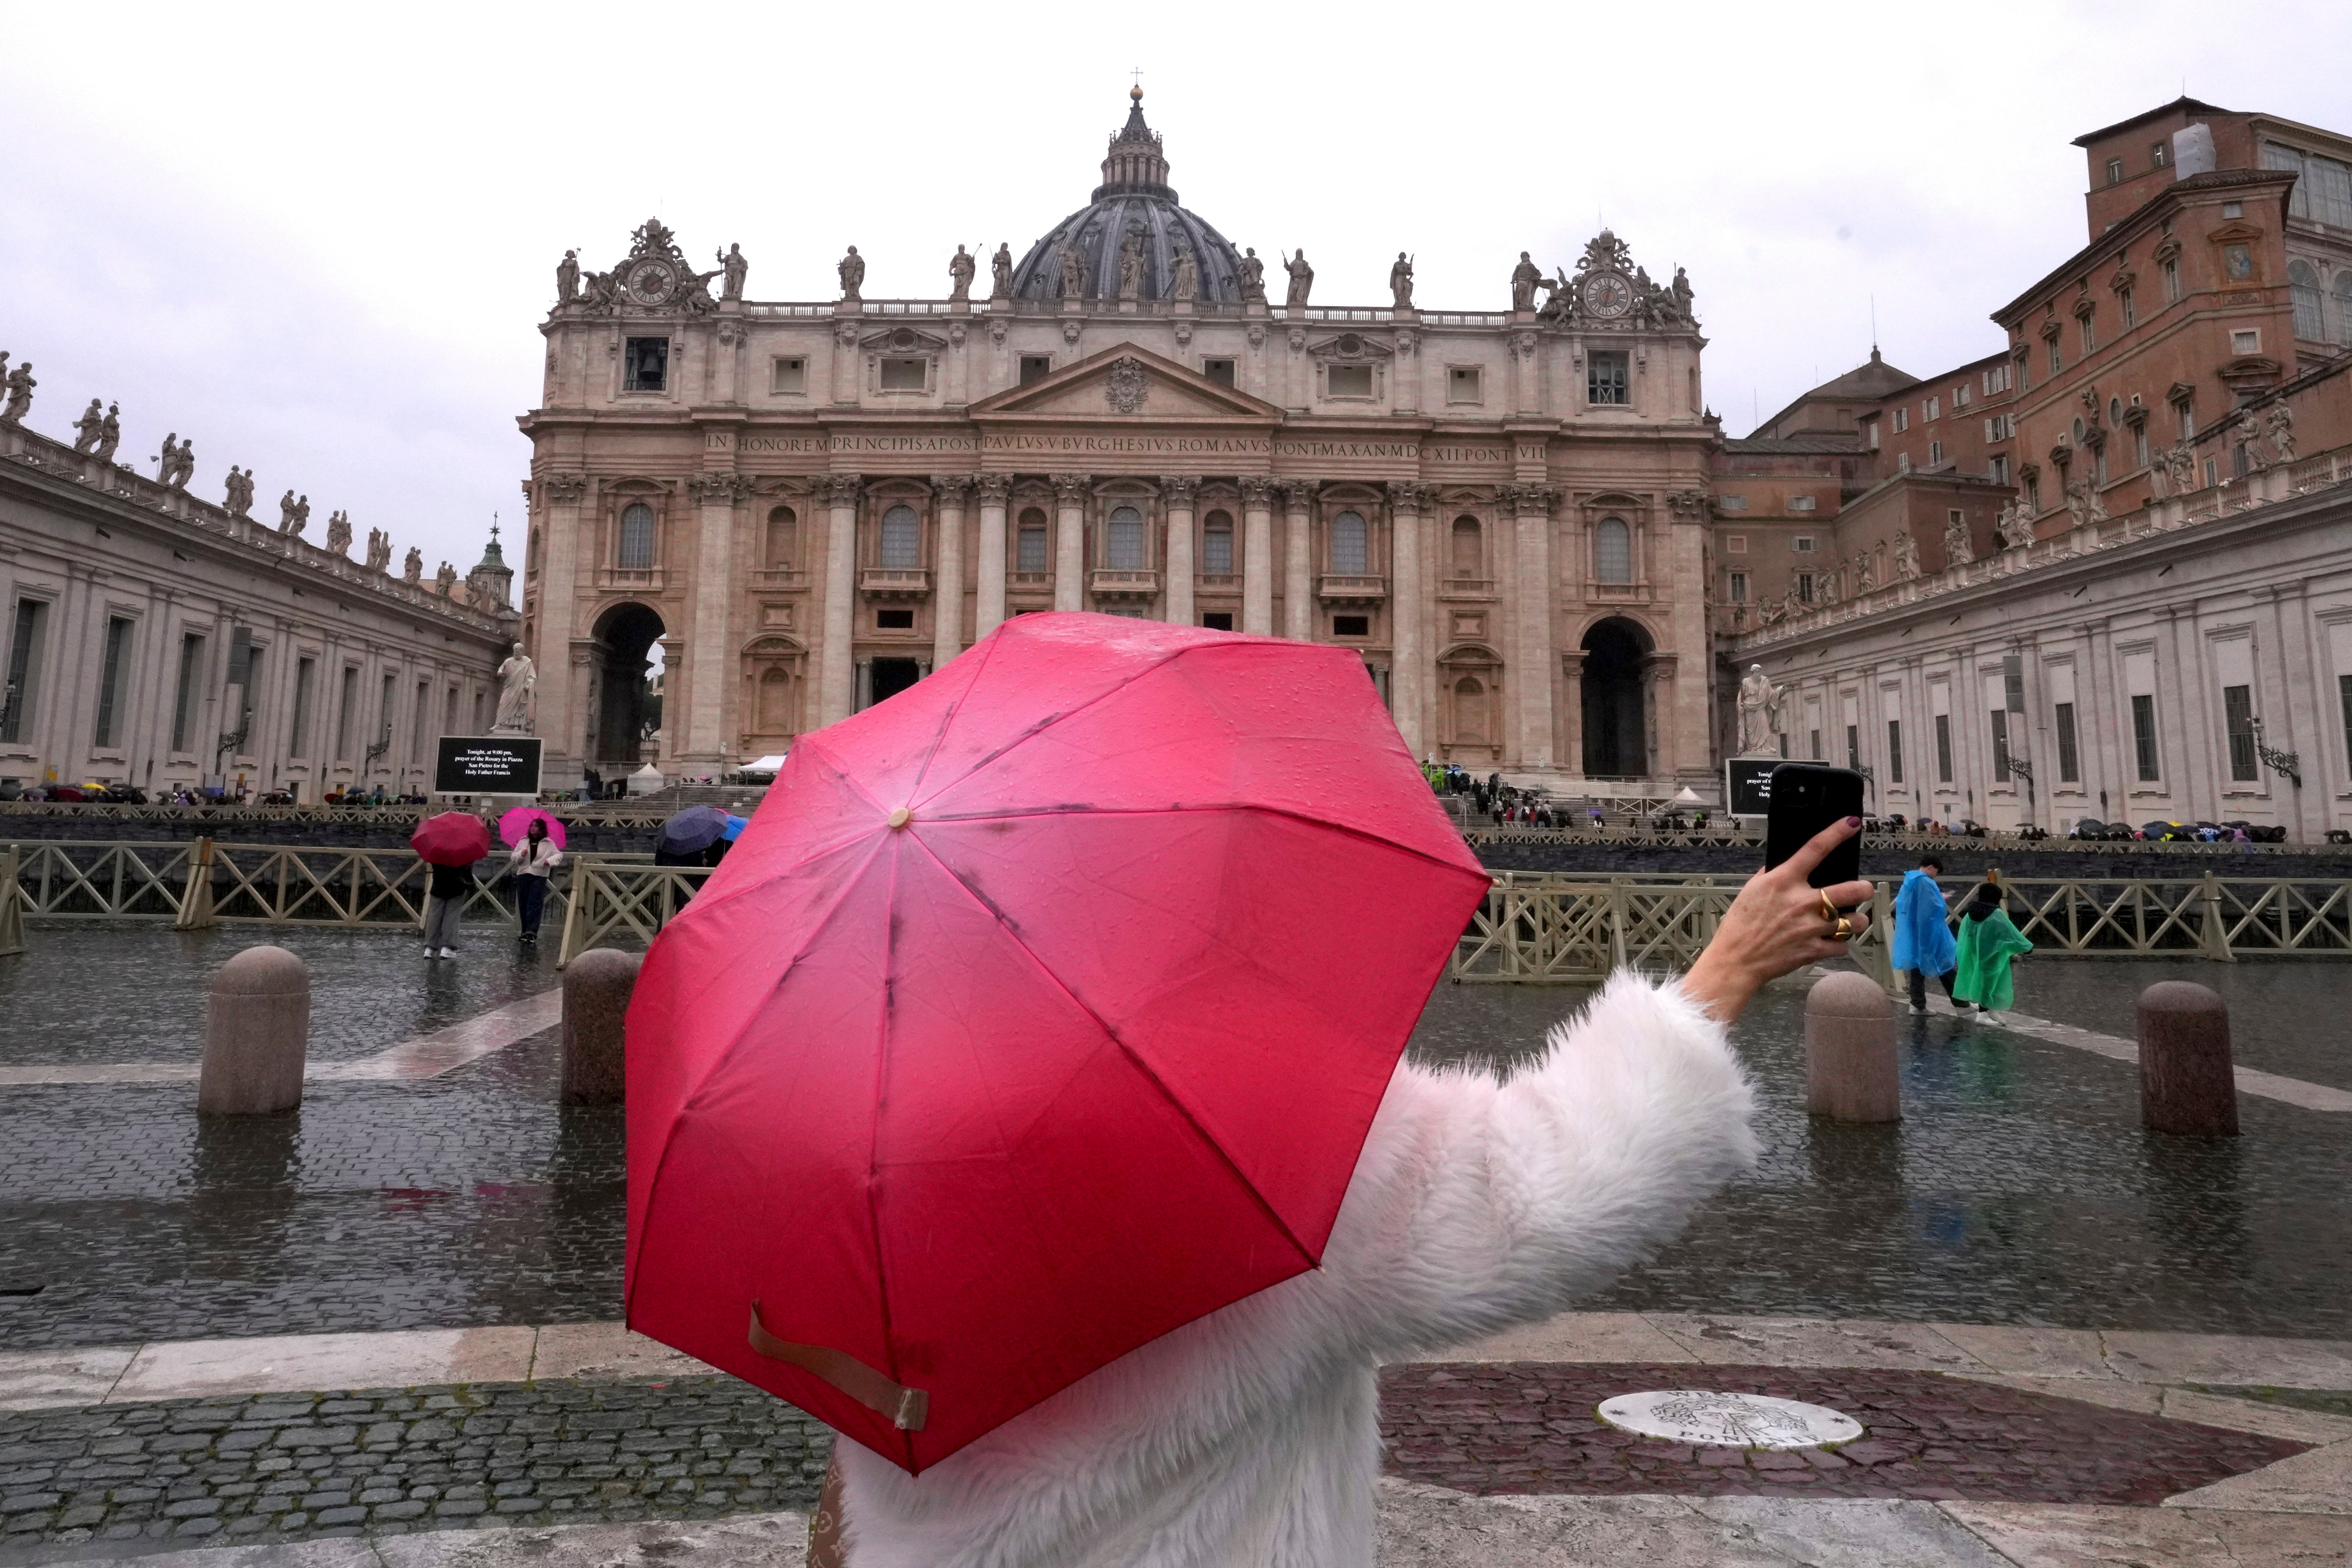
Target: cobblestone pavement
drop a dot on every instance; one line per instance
(1530, 1427)
(285, 1466)
(2020, 1189)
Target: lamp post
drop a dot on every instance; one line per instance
(2288, 765)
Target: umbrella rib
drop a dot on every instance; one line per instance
(1053, 719)
(1153, 1078)
(947, 720)
(1082, 809)
(874, 1132)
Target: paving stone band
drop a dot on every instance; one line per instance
(1711, 1420)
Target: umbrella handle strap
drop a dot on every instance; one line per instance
(907, 1408)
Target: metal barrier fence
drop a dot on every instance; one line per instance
(1549, 928)
(612, 896)
(205, 882)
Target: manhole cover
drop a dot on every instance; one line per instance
(1708, 1420)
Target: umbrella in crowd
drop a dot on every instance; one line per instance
(450, 839)
(691, 831)
(735, 826)
(1017, 1032)
(516, 824)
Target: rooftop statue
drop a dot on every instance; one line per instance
(567, 278)
(412, 567)
(1302, 278)
(236, 491)
(1131, 263)
(1000, 271)
(1187, 284)
(1525, 276)
(87, 428)
(20, 393)
(1074, 271)
(1252, 277)
(109, 435)
(1906, 556)
(378, 549)
(960, 268)
(1401, 281)
(736, 268)
(852, 268)
(338, 532)
(1958, 550)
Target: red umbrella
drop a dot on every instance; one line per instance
(514, 824)
(450, 839)
(1042, 1009)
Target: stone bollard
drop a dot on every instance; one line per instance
(256, 1035)
(1850, 1073)
(2187, 1083)
(596, 990)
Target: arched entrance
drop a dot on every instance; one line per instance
(624, 709)
(1615, 728)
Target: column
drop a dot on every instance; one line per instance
(1571, 674)
(833, 694)
(1662, 711)
(1070, 541)
(562, 716)
(1257, 557)
(1297, 583)
(1176, 494)
(711, 666)
(993, 489)
(1532, 505)
(947, 594)
(1407, 674)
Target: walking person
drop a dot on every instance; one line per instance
(1988, 943)
(1923, 942)
(531, 863)
(447, 893)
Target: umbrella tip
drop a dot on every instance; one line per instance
(900, 817)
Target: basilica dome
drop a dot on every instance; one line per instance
(1133, 198)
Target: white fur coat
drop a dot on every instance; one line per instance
(1250, 1438)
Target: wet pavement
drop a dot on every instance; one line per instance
(2020, 1189)
(136, 993)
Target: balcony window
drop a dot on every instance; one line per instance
(1348, 381)
(1217, 546)
(905, 375)
(1125, 540)
(1350, 545)
(1035, 367)
(1220, 371)
(1351, 625)
(1029, 553)
(636, 542)
(902, 539)
(1612, 550)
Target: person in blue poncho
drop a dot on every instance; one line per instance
(1922, 938)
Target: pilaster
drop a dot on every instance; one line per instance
(1408, 668)
(1069, 541)
(834, 663)
(989, 609)
(704, 735)
(1257, 557)
(1297, 583)
(952, 491)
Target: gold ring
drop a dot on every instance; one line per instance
(1829, 910)
(1843, 931)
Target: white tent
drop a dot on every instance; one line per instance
(1688, 797)
(768, 764)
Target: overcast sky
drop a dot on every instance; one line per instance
(317, 240)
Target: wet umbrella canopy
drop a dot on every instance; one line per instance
(1018, 1029)
(514, 824)
(696, 829)
(450, 839)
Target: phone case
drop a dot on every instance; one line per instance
(1806, 798)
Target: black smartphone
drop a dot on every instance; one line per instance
(1807, 797)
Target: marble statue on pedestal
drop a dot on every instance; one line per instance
(1000, 272)
(567, 278)
(1187, 286)
(736, 268)
(378, 549)
(1759, 712)
(445, 579)
(1958, 550)
(1906, 556)
(413, 566)
(1131, 263)
(86, 428)
(2282, 427)
(2248, 432)
(20, 385)
(1525, 276)
(2181, 464)
(236, 491)
(517, 677)
(960, 268)
(176, 464)
(1252, 277)
(109, 434)
(1302, 278)
(853, 274)
(1401, 281)
(1074, 271)
(338, 532)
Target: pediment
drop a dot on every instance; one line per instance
(1122, 383)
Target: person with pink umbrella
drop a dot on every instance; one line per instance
(537, 850)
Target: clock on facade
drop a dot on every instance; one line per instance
(1607, 294)
(652, 281)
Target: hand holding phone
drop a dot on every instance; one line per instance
(1806, 798)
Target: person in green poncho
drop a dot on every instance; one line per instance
(1988, 943)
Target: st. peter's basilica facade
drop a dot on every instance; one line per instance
(813, 505)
